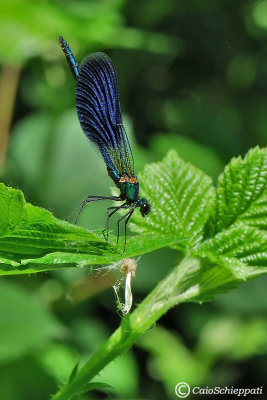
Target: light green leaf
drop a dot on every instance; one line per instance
(247, 244)
(219, 275)
(33, 240)
(11, 207)
(181, 198)
(29, 232)
(230, 257)
(207, 275)
(241, 194)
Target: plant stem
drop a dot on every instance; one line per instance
(173, 289)
(9, 79)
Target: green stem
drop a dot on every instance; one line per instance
(172, 290)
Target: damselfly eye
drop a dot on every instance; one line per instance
(144, 207)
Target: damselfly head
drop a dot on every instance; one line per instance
(144, 207)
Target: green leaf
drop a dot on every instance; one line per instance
(33, 240)
(98, 386)
(146, 244)
(11, 208)
(181, 198)
(29, 233)
(241, 194)
(231, 257)
(73, 372)
(238, 249)
(200, 277)
(247, 244)
(221, 274)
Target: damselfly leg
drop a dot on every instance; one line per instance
(127, 216)
(89, 199)
(109, 215)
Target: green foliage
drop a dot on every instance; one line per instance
(248, 245)
(201, 92)
(31, 235)
(220, 234)
(181, 198)
(184, 202)
(25, 323)
(29, 232)
(163, 358)
(238, 248)
(102, 25)
(241, 193)
(224, 336)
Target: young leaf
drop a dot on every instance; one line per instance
(245, 243)
(220, 274)
(181, 199)
(241, 194)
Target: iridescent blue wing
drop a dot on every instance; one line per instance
(99, 112)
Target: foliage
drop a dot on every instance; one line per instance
(192, 77)
(32, 240)
(34, 324)
(220, 234)
(102, 25)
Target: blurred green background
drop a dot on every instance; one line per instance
(193, 77)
